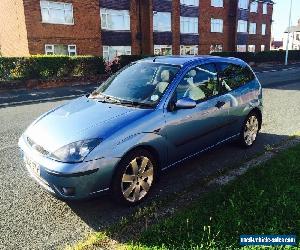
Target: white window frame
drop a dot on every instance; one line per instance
(106, 50)
(184, 48)
(72, 49)
(161, 27)
(160, 47)
(243, 4)
(192, 24)
(262, 47)
(49, 49)
(241, 48)
(254, 7)
(190, 2)
(251, 48)
(217, 3)
(265, 8)
(216, 25)
(263, 29)
(106, 14)
(215, 45)
(242, 26)
(252, 28)
(48, 8)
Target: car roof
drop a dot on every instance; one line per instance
(184, 60)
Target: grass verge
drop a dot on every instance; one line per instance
(263, 201)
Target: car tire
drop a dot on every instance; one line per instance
(250, 130)
(134, 178)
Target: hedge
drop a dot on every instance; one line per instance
(50, 67)
(256, 57)
(53, 67)
(259, 57)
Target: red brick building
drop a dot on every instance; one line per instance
(110, 27)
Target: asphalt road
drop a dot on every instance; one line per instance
(32, 219)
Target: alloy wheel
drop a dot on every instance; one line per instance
(251, 130)
(137, 179)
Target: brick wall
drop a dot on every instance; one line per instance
(13, 35)
(259, 18)
(146, 8)
(22, 31)
(176, 27)
(85, 33)
(207, 38)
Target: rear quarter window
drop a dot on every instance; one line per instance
(233, 76)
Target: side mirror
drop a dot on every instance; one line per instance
(185, 103)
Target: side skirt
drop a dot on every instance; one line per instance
(203, 150)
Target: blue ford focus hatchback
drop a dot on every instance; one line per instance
(146, 118)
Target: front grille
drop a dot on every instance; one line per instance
(37, 147)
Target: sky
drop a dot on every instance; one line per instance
(281, 16)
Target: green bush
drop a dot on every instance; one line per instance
(259, 57)
(49, 67)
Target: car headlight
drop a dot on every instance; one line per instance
(75, 151)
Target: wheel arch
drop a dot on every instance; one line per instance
(153, 151)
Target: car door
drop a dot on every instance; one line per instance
(238, 84)
(189, 131)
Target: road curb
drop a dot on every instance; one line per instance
(52, 99)
(267, 155)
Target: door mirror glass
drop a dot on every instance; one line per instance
(185, 103)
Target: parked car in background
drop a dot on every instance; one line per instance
(147, 117)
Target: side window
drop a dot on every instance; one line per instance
(199, 83)
(233, 76)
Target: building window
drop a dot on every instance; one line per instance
(263, 29)
(242, 26)
(265, 8)
(162, 21)
(252, 28)
(241, 48)
(217, 3)
(57, 12)
(72, 50)
(253, 7)
(190, 2)
(251, 48)
(189, 25)
(162, 50)
(243, 4)
(60, 49)
(111, 52)
(189, 50)
(115, 19)
(262, 47)
(216, 25)
(216, 48)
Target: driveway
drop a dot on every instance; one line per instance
(32, 219)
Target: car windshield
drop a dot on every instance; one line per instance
(140, 84)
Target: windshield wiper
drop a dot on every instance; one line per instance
(104, 98)
(136, 104)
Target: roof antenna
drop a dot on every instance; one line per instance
(154, 59)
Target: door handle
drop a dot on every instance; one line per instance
(220, 104)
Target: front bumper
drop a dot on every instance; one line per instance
(65, 180)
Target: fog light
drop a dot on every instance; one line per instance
(68, 190)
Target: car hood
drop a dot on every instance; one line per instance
(80, 119)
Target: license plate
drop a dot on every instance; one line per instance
(34, 167)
